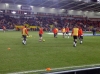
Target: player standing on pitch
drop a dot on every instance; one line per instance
(75, 35)
(24, 34)
(55, 31)
(4, 28)
(67, 31)
(80, 35)
(40, 33)
(63, 32)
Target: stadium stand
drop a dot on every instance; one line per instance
(11, 22)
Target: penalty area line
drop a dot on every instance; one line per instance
(52, 69)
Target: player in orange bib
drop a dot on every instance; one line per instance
(63, 31)
(80, 35)
(40, 33)
(75, 35)
(24, 34)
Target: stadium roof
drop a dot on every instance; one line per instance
(63, 4)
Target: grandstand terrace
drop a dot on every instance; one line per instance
(46, 12)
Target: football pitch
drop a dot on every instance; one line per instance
(53, 53)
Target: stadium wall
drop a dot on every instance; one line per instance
(85, 13)
(34, 9)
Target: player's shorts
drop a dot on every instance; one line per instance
(80, 37)
(75, 37)
(63, 32)
(24, 36)
(55, 34)
(67, 32)
(4, 29)
(40, 35)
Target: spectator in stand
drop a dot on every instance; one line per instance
(51, 20)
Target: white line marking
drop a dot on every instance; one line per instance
(60, 72)
(58, 33)
(33, 71)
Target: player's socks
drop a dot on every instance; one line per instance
(74, 44)
(40, 40)
(24, 42)
(81, 42)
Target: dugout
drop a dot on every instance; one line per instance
(93, 70)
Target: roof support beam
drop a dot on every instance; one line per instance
(67, 4)
(87, 6)
(16, 1)
(76, 6)
(30, 1)
(56, 3)
(43, 3)
(93, 8)
(96, 9)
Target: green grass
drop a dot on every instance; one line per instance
(53, 53)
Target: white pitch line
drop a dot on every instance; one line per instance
(32, 71)
(60, 72)
(52, 69)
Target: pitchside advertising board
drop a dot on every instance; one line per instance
(28, 8)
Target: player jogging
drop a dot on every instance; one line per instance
(67, 31)
(75, 35)
(55, 31)
(63, 31)
(4, 28)
(24, 34)
(40, 33)
(80, 35)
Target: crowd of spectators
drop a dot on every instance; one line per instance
(45, 21)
